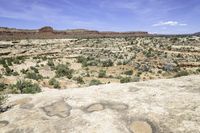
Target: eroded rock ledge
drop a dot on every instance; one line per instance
(158, 106)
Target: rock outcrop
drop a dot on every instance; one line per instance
(46, 29)
(158, 106)
(48, 33)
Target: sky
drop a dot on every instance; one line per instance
(154, 16)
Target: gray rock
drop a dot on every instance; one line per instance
(157, 106)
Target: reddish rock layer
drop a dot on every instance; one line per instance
(49, 33)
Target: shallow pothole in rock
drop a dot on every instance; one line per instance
(27, 106)
(140, 127)
(95, 107)
(118, 106)
(3, 123)
(60, 109)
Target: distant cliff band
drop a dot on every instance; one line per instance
(49, 33)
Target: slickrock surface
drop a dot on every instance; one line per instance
(157, 106)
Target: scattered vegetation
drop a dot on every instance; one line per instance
(107, 63)
(3, 99)
(107, 58)
(80, 80)
(129, 72)
(2, 86)
(10, 61)
(34, 76)
(63, 70)
(181, 73)
(51, 64)
(26, 87)
(125, 79)
(95, 82)
(102, 74)
(54, 83)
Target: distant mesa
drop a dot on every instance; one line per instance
(46, 29)
(197, 34)
(48, 32)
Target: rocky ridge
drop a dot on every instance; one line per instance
(49, 33)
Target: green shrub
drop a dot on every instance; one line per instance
(63, 70)
(135, 79)
(54, 82)
(3, 99)
(102, 74)
(16, 61)
(2, 86)
(51, 64)
(80, 80)
(32, 75)
(24, 71)
(34, 69)
(9, 62)
(3, 62)
(95, 82)
(107, 63)
(129, 72)
(19, 60)
(125, 79)
(198, 70)
(181, 73)
(81, 59)
(26, 87)
(8, 71)
(89, 61)
(15, 73)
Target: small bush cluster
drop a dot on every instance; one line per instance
(3, 99)
(91, 61)
(95, 82)
(107, 63)
(63, 70)
(9, 72)
(79, 80)
(87, 61)
(129, 79)
(12, 60)
(54, 82)
(129, 72)
(198, 70)
(125, 79)
(181, 73)
(26, 87)
(102, 74)
(51, 64)
(2, 86)
(34, 69)
(33, 75)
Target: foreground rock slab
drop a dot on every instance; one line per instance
(157, 106)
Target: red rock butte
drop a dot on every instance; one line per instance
(49, 33)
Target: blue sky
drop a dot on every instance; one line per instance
(154, 16)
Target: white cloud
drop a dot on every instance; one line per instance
(169, 23)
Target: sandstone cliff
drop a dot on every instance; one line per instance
(48, 33)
